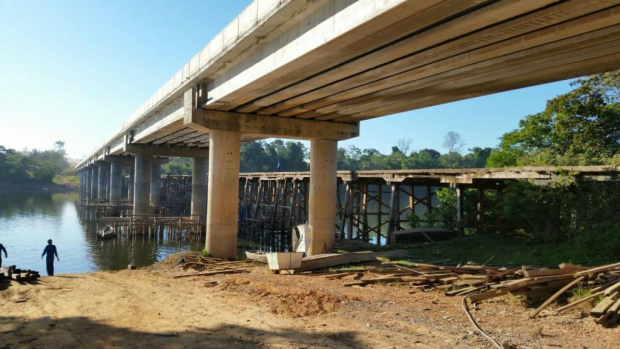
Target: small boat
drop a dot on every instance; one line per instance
(106, 232)
(258, 256)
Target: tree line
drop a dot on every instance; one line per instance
(33, 166)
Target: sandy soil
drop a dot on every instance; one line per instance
(149, 309)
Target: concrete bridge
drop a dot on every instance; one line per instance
(315, 69)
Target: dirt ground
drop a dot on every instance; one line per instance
(149, 309)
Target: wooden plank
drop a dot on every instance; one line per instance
(598, 269)
(612, 289)
(334, 259)
(207, 273)
(515, 286)
(544, 272)
(602, 307)
(583, 300)
(556, 296)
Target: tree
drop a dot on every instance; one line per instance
(581, 127)
(453, 143)
(404, 144)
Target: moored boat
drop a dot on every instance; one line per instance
(106, 232)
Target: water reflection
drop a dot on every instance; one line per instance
(27, 220)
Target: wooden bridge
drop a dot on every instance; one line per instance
(370, 204)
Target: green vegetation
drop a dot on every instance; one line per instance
(35, 166)
(581, 127)
(507, 250)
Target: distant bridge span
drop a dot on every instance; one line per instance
(315, 69)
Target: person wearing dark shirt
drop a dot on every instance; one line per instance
(5, 254)
(50, 251)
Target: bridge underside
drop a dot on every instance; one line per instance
(315, 69)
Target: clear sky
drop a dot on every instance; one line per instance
(73, 70)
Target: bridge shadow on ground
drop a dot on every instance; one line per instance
(82, 332)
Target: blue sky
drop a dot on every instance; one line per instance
(73, 70)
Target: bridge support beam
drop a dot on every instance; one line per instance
(116, 182)
(199, 188)
(142, 184)
(322, 202)
(94, 182)
(223, 194)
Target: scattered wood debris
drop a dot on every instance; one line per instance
(481, 282)
(14, 273)
(206, 266)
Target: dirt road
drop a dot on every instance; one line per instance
(145, 309)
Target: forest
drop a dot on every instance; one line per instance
(34, 166)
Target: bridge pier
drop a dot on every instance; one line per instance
(142, 184)
(94, 182)
(130, 183)
(103, 179)
(322, 201)
(116, 182)
(223, 193)
(199, 188)
(155, 189)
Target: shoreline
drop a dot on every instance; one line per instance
(257, 309)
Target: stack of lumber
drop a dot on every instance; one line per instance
(14, 273)
(478, 283)
(206, 266)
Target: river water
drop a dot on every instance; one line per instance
(28, 220)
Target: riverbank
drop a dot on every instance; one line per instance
(148, 308)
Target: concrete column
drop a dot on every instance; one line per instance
(94, 182)
(142, 184)
(103, 179)
(130, 184)
(223, 194)
(199, 188)
(87, 180)
(155, 182)
(322, 201)
(116, 182)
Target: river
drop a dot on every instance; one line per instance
(29, 219)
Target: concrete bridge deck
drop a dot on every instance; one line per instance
(315, 69)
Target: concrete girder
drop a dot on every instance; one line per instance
(144, 149)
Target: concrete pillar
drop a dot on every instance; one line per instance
(130, 185)
(87, 180)
(116, 182)
(94, 182)
(199, 188)
(142, 184)
(223, 194)
(103, 179)
(322, 201)
(155, 183)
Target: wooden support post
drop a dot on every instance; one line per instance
(364, 190)
(460, 217)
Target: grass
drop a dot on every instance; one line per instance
(506, 250)
(580, 292)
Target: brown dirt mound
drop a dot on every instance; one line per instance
(288, 302)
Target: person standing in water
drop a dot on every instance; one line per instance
(51, 251)
(5, 254)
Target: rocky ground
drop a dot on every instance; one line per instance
(148, 309)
